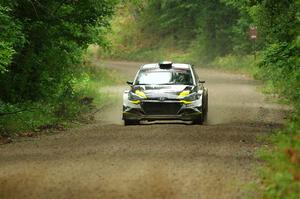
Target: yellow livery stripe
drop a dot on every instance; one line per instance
(185, 102)
(136, 102)
(184, 94)
(140, 93)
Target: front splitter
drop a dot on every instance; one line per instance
(185, 117)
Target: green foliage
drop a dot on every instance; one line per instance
(240, 64)
(6, 53)
(280, 68)
(241, 43)
(41, 57)
(169, 17)
(56, 34)
(215, 29)
(25, 117)
(191, 31)
(32, 116)
(276, 19)
(11, 38)
(281, 176)
(202, 29)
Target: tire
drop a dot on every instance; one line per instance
(131, 122)
(205, 111)
(203, 116)
(198, 121)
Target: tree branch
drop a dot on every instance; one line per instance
(13, 113)
(34, 9)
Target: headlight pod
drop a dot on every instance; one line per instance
(188, 98)
(136, 97)
(132, 96)
(192, 97)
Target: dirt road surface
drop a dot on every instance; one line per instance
(155, 160)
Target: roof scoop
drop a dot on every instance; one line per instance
(165, 65)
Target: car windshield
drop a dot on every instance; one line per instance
(168, 77)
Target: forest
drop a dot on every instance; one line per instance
(44, 74)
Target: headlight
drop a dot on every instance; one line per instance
(136, 97)
(187, 98)
(192, 97)
(132, 96)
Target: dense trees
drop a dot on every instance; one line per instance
(41, 56)
(214, 24)
(12, 38)
(279, 26)
(41, 44)
(217, 27)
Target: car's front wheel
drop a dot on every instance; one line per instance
(201, 118)
(131, 122)
(199, 121)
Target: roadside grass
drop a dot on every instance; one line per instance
(238, 64)
(280, 175)
(31, 118)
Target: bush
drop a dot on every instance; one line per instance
(280, 69)
(281, 174)
(41, 58)
(11, 36)
(83, 97)
(42, 45)
(244, 64)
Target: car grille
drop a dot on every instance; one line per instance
(161, 108)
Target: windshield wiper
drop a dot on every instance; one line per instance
(171, 83)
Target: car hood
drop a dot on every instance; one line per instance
(162, 91)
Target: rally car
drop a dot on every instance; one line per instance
(165, 91)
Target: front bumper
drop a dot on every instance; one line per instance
(185, 112)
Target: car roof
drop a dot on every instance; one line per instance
(174, 66)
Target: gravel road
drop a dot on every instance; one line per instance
(155, 160)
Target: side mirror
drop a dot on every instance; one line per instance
(130, 83)
(202, 82)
